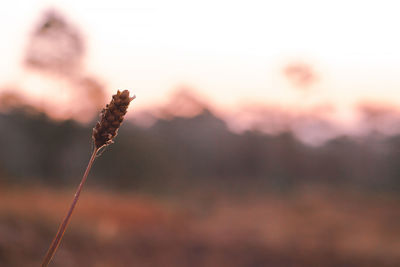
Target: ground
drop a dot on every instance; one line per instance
(310, 227)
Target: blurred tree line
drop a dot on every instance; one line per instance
(181, 154)
(175, 154)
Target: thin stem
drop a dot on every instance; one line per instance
(61, 230)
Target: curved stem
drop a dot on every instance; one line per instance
(61, 230)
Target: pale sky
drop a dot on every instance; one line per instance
(232, 52)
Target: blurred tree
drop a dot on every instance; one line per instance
(55, 45)
(56, 49)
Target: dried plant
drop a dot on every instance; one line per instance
(103, 134)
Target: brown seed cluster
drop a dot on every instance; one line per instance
(111, 118)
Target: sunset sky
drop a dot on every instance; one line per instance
(233, 53)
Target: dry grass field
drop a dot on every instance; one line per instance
(109, 229)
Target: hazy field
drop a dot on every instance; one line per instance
(303, 229)
(240, 150)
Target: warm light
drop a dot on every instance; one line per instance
(231, 51)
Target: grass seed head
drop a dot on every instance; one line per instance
(111, 118)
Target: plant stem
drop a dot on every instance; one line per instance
(61, 230)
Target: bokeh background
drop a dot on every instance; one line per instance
(264, 133)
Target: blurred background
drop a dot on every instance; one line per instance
(264, 133)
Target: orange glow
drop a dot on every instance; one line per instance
(232, 52)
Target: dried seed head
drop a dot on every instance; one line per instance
(111, 118)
